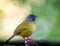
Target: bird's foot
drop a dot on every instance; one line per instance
(30, 42)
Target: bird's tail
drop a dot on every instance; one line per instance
(9, 39)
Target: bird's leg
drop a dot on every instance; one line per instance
(30, 42)
(26, 43)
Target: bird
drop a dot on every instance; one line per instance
(26, 28)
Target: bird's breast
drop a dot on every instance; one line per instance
(29, 30)
(31, 26)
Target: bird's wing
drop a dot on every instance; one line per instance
(20, 28)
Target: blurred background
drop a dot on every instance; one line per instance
(13, 12)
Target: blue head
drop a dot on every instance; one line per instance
(31, 18)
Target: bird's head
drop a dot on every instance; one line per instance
(31, 18)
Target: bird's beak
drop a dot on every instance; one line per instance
(35, 16)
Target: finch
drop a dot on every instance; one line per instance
(26, 28)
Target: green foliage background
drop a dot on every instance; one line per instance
(48, 20)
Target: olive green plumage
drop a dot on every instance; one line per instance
(26, 28)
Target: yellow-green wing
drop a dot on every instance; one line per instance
(20, 28)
